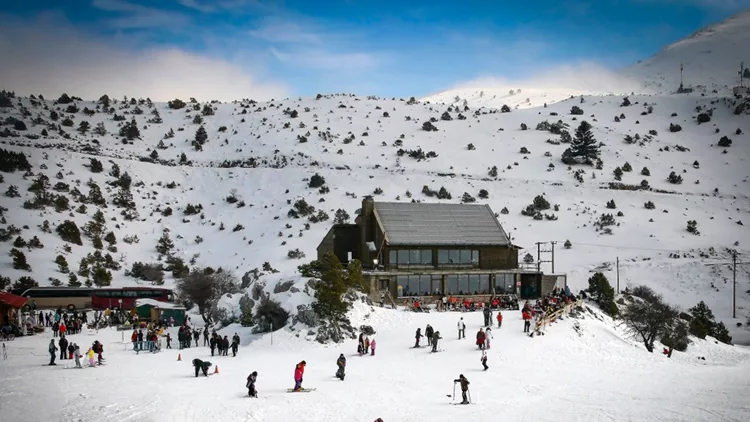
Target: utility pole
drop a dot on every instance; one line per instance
(553, 256)
(742, 73)
(618, 274)
(538, 256)
(734, 284)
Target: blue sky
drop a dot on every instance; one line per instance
(386, 47)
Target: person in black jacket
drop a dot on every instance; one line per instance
(235, 344)
(63, 347)
(417, 336)
(201, 366)
(251, 384)
(212, 344)
(428, 332)
(341, 363)
(464, 387)
(205, 336)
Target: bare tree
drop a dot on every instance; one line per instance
(649, 319)
(204, 286)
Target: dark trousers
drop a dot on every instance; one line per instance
(62, 354)
(251, 391)
(212, 351)
(205, 341)
(234, 351)
(429, 341)
(486, 321)
(461, 333)
(201, 367)
(526, 326)
(484, 363)
(52, 357)
(463, 395)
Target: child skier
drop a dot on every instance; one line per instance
(499, 319)
(372, 347)
(90, 354)
(464, 387)
(417, 336)
(341, 363)
(487, 337)
(484, 360)
(435, 338)
(299, 372)
(77, 355)
(251, 384)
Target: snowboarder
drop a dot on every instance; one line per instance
(461, 329)
(526, 320)
(201, 366)
(251, 384)
(372, 347)
(435, 338)
(52, 352)
(417, 336)
(428, 332)
(480, 339)
(484, 360)
(464, 387)
(499, 319)
(341, 363)
(487, 337)
(63, 347)
(299, 372)
(487, 315)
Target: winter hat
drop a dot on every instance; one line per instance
(255, 373)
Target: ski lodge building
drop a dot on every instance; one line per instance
(434, 249)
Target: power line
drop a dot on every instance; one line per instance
(628, 247)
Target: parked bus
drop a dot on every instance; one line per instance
(125, 297)
(70, 298)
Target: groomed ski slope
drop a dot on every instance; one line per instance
(597, 375)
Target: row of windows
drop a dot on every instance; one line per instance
(129, 293)
(403, 257)
(32, 293)
(456, 284)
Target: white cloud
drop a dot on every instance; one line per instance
(136, 16)
(588, 77)
(193, 4)
(284, 32)
(48, 57)
(326, 60)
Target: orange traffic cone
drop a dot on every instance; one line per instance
(216, 369)
(179, 357)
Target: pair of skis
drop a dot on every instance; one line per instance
(301, 390)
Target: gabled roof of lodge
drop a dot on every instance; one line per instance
(416, 224)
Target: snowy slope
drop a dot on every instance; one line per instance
(583, 369)
(711, 58)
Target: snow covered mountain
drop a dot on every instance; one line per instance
(222, 177)
(711, 59)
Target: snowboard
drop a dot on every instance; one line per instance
(303, 390)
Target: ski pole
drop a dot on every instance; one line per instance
(469, 393)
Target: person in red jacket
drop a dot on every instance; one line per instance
(526, 321)
(499, 319)
(480, 339)
(299, 371)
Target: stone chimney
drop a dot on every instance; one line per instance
(366, 232)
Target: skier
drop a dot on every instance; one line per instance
(484, 360)
(417, 336)
(205, 336)
(299, 372)
(134, 339)
(77, 355)
(212, 344)
(71, 350)
(52, 352)
(90, 355)
(487, 315)
(63, 346)
(372, 347)
(487, 337)
(499, 319)
(428, 332)
(169, 342)
(526, 320)
(341, 363)
(251, 384)
(461, 329)
(201, 366)
(435, 338)
(464, 387)
(480, 339)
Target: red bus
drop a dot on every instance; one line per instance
(125, 297)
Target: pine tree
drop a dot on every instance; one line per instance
(130, 130)
(83, 127)
(201, 136)
(19, 260)
(164, 245)
(583, 148)
(73, 280)
(62, 263)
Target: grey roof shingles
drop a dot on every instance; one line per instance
(414, 224)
